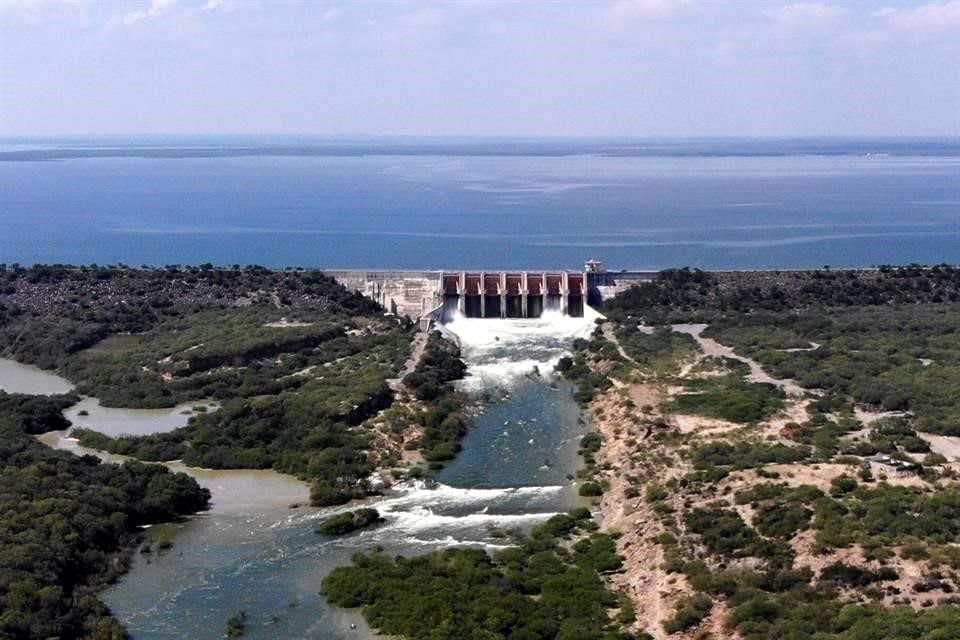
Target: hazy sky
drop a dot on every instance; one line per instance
(620, 67)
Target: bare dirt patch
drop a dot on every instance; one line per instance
(283, 323)
(947, 446)
(711, 347)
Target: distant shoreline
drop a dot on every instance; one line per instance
(185, 147)
(403, 272)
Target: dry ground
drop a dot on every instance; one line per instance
(628, 453)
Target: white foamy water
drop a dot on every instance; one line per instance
(501, 352)
(419, 519)
(511, 475)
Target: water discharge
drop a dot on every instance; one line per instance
(252, 552)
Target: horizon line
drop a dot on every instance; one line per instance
(456, 136)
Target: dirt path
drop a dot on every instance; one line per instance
(417, 347)
(711, 347)
(947, 446)
(612, 337)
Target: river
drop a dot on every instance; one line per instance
(253, 552)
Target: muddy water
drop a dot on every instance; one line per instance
(21, 378)
(253, 552)
(24, 378)
(140, 422)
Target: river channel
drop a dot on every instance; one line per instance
(253, 552)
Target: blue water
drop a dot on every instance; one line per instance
(739, 204)
(259, 556)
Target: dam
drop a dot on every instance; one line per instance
(512, 294)
(442, 294)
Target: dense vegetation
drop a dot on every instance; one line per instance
(216, 354)
(577, 368)
(444, 422)
(298, 363)
(896, 358)
(729, 398)
(344, 523)
(656, 349)
(49, 312)
(888, 337)
(36, 414)
(309, 432)
(540, 589)
(439, 365)
(682, 295)
(67, 521)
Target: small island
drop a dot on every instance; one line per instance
(344, 523)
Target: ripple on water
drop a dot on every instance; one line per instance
(250, 552)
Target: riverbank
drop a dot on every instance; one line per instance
(251, 551)
(653, 464)
(70, 524)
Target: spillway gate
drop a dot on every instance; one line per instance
(506, 294)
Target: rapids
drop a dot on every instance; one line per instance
(252, 552)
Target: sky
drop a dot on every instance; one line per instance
(480, 67)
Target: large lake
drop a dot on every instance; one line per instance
(733, 204)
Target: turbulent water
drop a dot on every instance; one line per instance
(252, 552)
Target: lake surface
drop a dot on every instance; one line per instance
(251, 551)
(504, 204)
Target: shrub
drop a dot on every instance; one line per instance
(853, 576)
(344, 523)
(690, 613)
(591, 489)
(782, 520)
(324, 495)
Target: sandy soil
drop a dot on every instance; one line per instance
(655, 593)
(947, 446)
(283, 323)
(711, 347)
(652, 590)
(868, 417)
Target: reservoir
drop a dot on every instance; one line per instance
(255, 553)
(514, 204)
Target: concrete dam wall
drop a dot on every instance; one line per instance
(489, 294)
